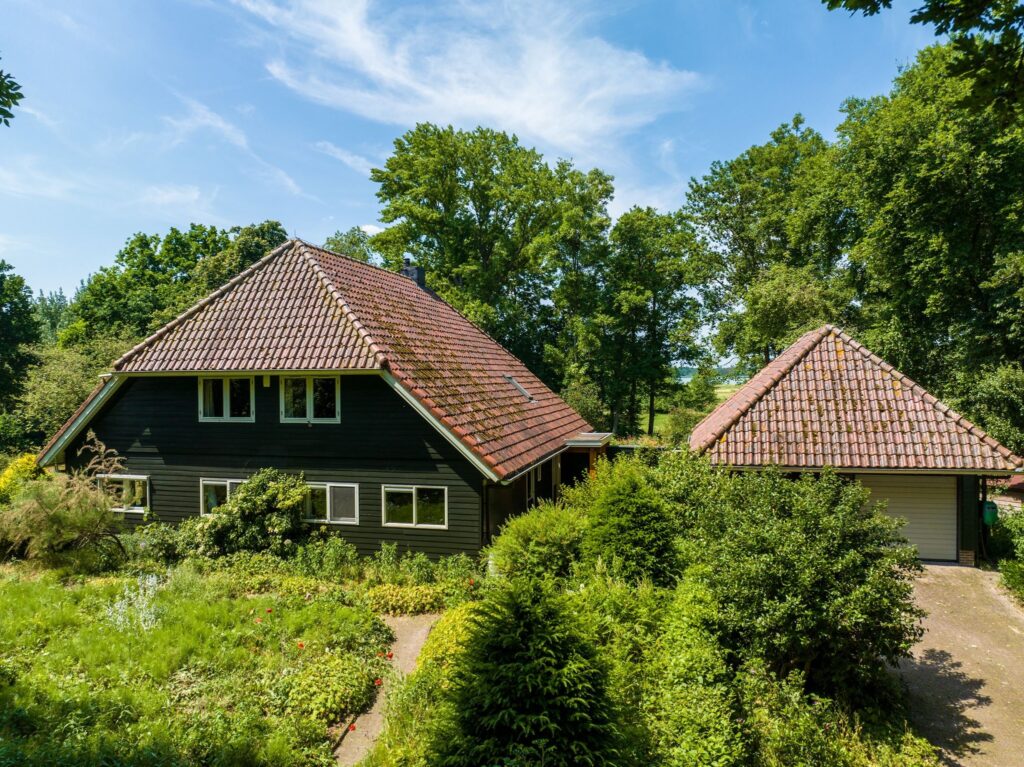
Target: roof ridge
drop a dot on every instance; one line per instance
(203, 303)
(945, 410)
(439, 298)
(757, 392)
(379, 356)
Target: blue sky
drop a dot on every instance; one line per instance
(141, 115)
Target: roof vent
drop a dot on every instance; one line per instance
(519, 386)
(415, 273)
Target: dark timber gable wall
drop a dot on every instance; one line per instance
(152, 422)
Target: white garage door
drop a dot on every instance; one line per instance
(927, 503)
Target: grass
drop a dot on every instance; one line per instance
(182, 668)
(722, 393)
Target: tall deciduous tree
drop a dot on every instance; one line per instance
(648, 317)
(936, 190)
(482, 214)
(774, 207)
(354, 242)
(18, 328)
(156, 277)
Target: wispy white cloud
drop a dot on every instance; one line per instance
(178, 200)
(372, 229)
(356, 162)
(199, 118)
(533, 67)
(22, 177)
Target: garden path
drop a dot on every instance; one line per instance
(411, 632)
(966, 679)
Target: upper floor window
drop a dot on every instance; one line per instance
(227, 398)
(310, 399)
(128, 492)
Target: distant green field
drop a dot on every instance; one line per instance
(722, 392)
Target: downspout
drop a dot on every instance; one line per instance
(982, 533)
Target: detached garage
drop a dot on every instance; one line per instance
(829, 402)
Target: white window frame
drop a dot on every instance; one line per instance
(309, 399)
(134, 477)
(204, 481)
(327, 488)
(406, 488)
(226, 418)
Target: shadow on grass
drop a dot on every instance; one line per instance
(940, 697)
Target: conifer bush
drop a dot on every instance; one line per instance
(530, 688)
(629, 524)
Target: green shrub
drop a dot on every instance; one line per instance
(1013, 576)
(629, 525)
(447, 641)
(154, 542)
(418, 714)
(405, 600)
(544, 541)
(333, 688)
(787, 728)
(327, 556)
(689, 706)
(263, 514)
(807, 577)
(1010, 527)
(530, 688)
(19, 470)
(63, 521)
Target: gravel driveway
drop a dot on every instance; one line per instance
(966, 680)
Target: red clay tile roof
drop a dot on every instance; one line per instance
(305, 308)
(828, 401)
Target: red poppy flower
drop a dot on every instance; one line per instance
(259, 620)
(352, 727)
(471, 582)
(391, 655)
(301, 645)
(378, 681)
(270, 609)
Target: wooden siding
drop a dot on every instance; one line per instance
(153, 423)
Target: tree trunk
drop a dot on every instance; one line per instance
(650, 409)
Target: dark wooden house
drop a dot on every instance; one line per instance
(409, 424)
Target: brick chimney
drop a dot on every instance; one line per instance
(415, 273)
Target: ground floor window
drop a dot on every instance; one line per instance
(333, 503)
(215, 492)
(128, 492)
(415, 506)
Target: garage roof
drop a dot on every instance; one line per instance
(828, 401)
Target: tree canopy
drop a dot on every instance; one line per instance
(10, 96)
(986, 37)
(18, 328)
